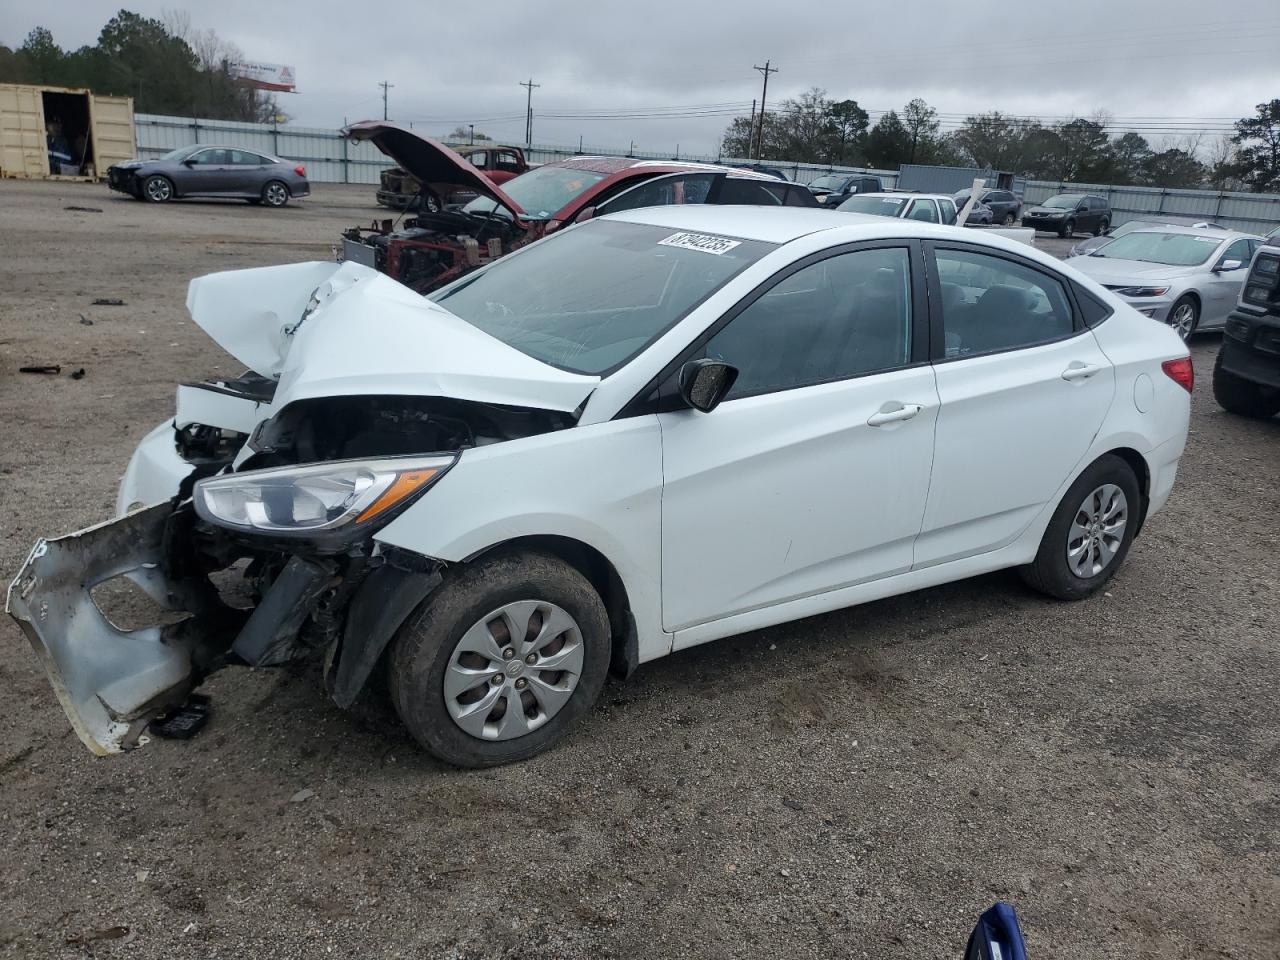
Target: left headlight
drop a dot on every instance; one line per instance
(1142, 291)
(316, 499)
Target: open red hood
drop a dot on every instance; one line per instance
(429, 160)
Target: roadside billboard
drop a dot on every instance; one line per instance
(263, 76)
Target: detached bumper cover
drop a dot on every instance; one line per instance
(111, 682)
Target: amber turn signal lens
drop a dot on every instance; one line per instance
(404, 485)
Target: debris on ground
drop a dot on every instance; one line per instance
(90, 936)
(301, 795)
(84, 209)
(85, 320)
(78, 374)
(52, 369)
(185, 722)
(108, 302)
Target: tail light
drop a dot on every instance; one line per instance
(300, 170)
(1180, 372)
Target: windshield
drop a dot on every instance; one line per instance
(176, 154)
(1132, 225)
(593, 297)
(1065, 202)
(1174, 249)
(541, 193)
(827, 183)
(876, 206)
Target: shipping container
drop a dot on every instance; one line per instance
(64, 134)
(924, 178)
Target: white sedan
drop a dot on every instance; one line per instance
(645, 432)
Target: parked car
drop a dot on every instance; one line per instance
(436, 248)
(1096, 243)
(1246, 373)
(979, 214)
(927, 207)
(1006, 206)
(652, 430)
(1187, 277)
(835, 188)
(209, 171)
(1068, 212)
(401, 190)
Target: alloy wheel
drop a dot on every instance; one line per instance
(1183, 319)
(276, 194)
(1097, 531)
(513, 670)
(158, 190)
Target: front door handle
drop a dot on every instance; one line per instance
(1080, 371)
(893, 412)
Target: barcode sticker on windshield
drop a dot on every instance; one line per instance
(1213, 240)
(700, 242)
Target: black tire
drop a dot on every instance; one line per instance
(1009, 219)
(275, 193)
(1186, 300)
(1244, 397)
(1102, 226)
(1068, 230)
(157, 189)
(1050, 573)
(425, 645)
(425, 202)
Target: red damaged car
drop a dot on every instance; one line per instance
(434, 248)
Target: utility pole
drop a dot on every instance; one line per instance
(385, 86)
(528, 116)
(472, 127)
(765, 71)
(751, 128)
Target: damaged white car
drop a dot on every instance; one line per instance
(646, 432)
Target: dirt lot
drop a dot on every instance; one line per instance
(856, 785)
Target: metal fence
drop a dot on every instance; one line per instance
(331, 158)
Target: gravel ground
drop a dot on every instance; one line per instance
(859, 784)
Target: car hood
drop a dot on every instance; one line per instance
(429, 160)
(329, 329)
(1054, 211)
(1108, 270)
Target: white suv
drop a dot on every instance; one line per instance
(925, 207)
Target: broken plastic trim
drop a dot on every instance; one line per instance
(112, 682)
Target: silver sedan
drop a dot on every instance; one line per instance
(208, 171)
(1186, 277)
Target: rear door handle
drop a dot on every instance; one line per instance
(1080, 371)
(893, 412)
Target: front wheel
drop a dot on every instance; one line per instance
(157, 189)
(1244, 397)
(501, 660)
(1089, 534)
(1184, 316)
(275, 194)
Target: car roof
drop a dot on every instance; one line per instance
(1215, 232)
(611, 165)
(907, 195)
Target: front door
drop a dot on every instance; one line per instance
(1023, 389)
(206, 173)
(812, 474)
(1222, 288)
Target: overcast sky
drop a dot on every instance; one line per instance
(1144, 61)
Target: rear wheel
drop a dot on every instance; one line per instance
(1184, 316)
(501, 660)
(1068, 229)
(275, 194)
(157, 189)
(1008, 219)
(1102, 226)
(1244, 397)
(1090, 532)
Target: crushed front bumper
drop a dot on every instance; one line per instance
(113, 682)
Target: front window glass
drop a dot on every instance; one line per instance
(841, 317)
(874, 205)
(834, 184)
(593, 297)
(541, 193)
(661, 192)
(1065, 201)
(1174, 249)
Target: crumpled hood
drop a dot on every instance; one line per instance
(429, 160)
(1108, 270)
(365, 334)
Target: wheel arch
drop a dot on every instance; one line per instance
(1142, 470)
(601, 574)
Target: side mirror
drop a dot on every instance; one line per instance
(586, 213)
(1226, 265)
(704, 383)
(189, 162)
(997, 936)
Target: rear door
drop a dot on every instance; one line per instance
(1023, 389)
(923, 209)
(813, 473)
(248, 173)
